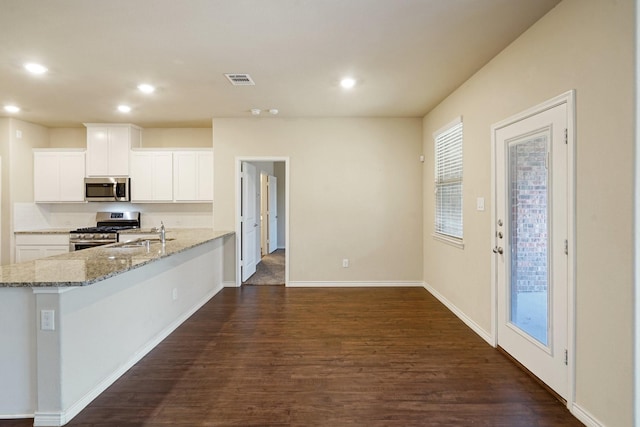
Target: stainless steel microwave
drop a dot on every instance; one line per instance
(107, 189)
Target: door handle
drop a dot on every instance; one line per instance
(498, 250)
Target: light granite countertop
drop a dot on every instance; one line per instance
(81, 268)
(46, 231)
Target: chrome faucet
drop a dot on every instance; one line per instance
(163, 235)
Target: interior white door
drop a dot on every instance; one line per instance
(530, 243)
(272, 190)
(264, 216)
(249, 222)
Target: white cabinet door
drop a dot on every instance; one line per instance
(28, 253)
(151, 176)
(97, 151)
(141, 176)
(58, 176)
(46, 170)
(193, 176)
(71, 176)
(108, 148)
(184, 178)
(163, 174)
(205, 176)
(119, 144)
(34, 246)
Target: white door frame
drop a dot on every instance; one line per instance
(238, 196)
(567, 98)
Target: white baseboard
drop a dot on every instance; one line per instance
(584, 416)
(229, 284)
(351, 284)
(15, 416)
(461, 315)
(48, 419)
(59, 419)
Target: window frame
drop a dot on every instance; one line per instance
(439, 234)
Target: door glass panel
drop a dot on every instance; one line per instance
(529, 236)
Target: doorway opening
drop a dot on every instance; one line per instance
(262, 221)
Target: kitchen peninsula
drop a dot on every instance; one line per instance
(72, 324)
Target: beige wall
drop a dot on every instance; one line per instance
(17, 172)
(586, 45)
(355, 192)
(176, 137)
(68, 137)
(280, 172)
(151, 137)
(5, 209)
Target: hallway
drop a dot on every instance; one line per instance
(270, 270)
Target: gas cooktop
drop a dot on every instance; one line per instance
(104, 229)
(112, 222)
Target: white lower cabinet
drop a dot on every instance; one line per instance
(34, 246)
(58, 175)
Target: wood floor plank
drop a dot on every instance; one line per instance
(274, 356)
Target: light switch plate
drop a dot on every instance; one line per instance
(480, 203)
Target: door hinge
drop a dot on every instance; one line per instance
(566, 136)
(566, 247)
(566, 357)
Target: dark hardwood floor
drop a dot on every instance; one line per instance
(275, 356)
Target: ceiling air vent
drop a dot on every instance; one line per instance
(240, 79)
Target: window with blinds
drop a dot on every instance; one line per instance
(448, 169)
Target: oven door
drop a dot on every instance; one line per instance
(79, 245)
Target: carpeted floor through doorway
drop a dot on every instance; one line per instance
(270, 271)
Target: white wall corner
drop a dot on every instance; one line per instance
(230, 284)
(489, 338)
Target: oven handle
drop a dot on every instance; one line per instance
(88, 244)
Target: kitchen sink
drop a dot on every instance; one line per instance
(140, 243)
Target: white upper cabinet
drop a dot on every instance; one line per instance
(193, 176)
(58, 175)
(151, 176)
(108, 147)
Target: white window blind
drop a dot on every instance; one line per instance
(448, 168)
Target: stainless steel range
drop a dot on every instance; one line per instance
(106, 230)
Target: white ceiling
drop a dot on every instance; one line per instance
(407, 55)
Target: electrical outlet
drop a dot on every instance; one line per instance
(174, 294)
(345, 263)
(47, 320)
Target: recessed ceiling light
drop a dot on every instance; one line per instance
(124, 108)
(256, 111)
(34, 68)
(11, 108)
(146, 88)
(347, 83)
(273, 111)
